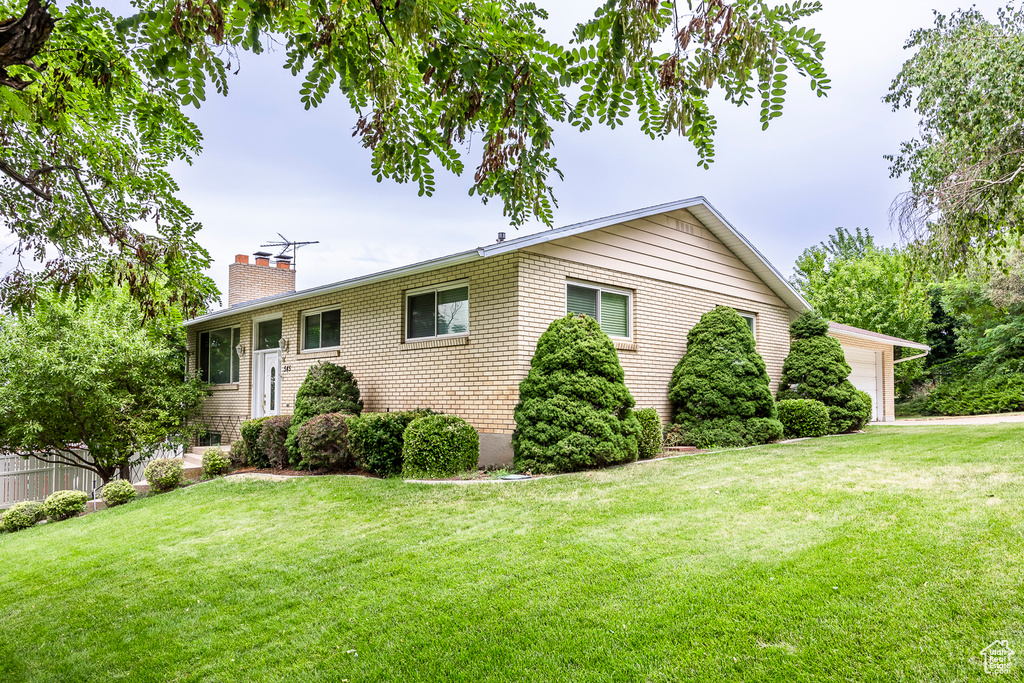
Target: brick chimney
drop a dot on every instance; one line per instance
(248, 282)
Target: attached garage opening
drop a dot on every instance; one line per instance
(866, 375)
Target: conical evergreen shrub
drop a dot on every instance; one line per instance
(816, 368)
(574, 410)
(719, 389)
(328, 388)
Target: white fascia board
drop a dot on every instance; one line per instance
(424, 266)
(893, 342)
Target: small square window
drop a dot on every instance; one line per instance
(439, 312)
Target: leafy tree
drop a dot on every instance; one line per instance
(816, 368)
(328, 388)
(850, 280)
(719, 389)
(87, 140)
(92, 376)
(89, 136)
(574, 409)
(966, 82)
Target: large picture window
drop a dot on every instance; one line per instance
(438, 312)
(321, 330)
(611, 308)
(218, 355)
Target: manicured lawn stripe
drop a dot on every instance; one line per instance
(892, 555)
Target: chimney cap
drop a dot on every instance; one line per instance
(283, 257)
(262, 254)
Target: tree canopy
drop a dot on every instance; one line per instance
(90, 105)
(966, 83)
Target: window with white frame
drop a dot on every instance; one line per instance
(612, 308)
(321, 330)
(751, 319)
(434, 312)
(218, 355)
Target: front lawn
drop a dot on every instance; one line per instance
(895, 555)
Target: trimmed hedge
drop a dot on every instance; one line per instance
(816, 368)
(250, 431)
(574, 409)
(164, 474)
(215, 463)
(649, 443)
(271, 446)
(720, 388)
(439, 446)
(327, 388)
(323, 442)
(375, 440)
(801, 417)
(118, 492)
(21, 516)
(61, 505)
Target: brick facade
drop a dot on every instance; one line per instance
(513, 298)
(251, 281)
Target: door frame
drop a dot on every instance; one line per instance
(259, 365)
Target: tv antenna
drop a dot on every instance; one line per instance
(285, 244)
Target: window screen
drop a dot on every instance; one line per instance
(610, 309)
(420, 316)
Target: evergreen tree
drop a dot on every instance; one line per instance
(574, 410)
(719, 389)
(816, 368)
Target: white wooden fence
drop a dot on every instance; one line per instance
(32, 479)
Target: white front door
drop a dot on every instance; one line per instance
(267, 387)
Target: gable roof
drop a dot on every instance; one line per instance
(699, 207)
(852, 331)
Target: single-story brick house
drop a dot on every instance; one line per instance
(456, 334)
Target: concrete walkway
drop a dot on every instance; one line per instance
(951, 421)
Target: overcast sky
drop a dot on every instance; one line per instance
(270, 166)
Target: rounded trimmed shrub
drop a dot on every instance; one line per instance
(118, 492)
(803, 417)
(215, 463)
(328, 388)
(164, 474)
(376, 440)
(574, 409)
(816, 368)
(271, 446)
(719, 389)
(439, 446)
(21, 516)
(250, 431)
(61, 505)
(238, 454)
(649, 443)
(323, 442)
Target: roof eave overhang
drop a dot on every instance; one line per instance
(424, 266)
(699, 207)
(895, 342)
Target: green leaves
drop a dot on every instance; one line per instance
(965, 83)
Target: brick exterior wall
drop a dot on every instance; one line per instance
(252, 281)
(513, 298)
(663, 314)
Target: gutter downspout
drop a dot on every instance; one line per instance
(920, 355)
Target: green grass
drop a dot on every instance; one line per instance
(894, 555)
